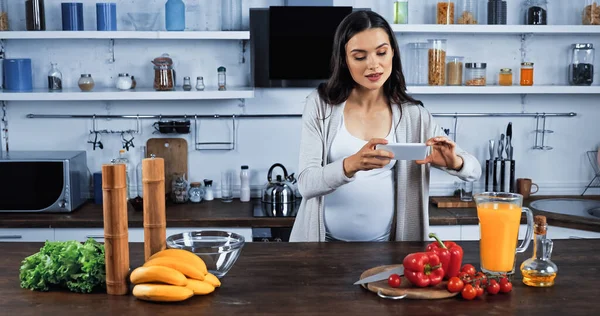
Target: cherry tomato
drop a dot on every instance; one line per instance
(482, 277)
(469, 292)
(505, 287)
(503, 280)
(455, 285)
(394, 280)
(479, 291)
(468, 268)
(493, 288)
(464, 276)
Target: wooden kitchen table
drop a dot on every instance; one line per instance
(316, 279)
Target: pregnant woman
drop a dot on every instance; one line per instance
(350, 190)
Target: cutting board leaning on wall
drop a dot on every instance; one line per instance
(175, 153)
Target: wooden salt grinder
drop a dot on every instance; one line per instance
(155, 222)
(116, 241)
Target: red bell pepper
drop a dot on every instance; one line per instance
(423, 269)
(450, 253)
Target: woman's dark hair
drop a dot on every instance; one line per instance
(340, 84)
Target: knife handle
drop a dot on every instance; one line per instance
(495, 176)
(502, 175)
(487, 175)
(512, 176)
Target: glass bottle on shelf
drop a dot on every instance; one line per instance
(535, 12)
(539, 270)
(200, 83)
(35, 15)
(4, 15)
(222, 78)
(175, 15)
(187, 85)
(581, 70)
(231, 15)
(401, 12)
(54, 78)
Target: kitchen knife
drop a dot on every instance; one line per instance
(489, 165)
(381, 275)
(509, 141)
(502, 165)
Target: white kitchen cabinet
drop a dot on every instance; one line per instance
(555, 232)
(446, 232)
(82, 234)
(26, 234)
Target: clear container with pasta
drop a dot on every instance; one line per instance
(467, 12)
(437, 62)
(591, 13)
(475, 74)
(454, 70)
(444, 11)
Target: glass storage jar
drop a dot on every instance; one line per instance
(179, 189)
(581, 71)
(196, 192)
(86, 82)
(436, 57)
(536, 12)
(164, 74)
(591, 13)
(221, 72)
(505, 78)
(35, 15)
(475, 74)
(187, 84)
(417, 64)
(54, 78)
(200, 83)
(124, 82)
(496, 12)
(401, 12)
(527, 74)
(454, 70)
(444, 11)
(467, 12)
(4, 15)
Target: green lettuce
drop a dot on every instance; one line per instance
(65, 264)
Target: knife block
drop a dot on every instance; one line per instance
(500, 175)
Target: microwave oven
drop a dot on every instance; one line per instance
(43, 181)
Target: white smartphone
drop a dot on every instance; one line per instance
(406, 151)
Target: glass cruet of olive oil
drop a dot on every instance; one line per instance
(539, 270)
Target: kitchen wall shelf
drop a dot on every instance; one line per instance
(111, 94)
(186, 35)
(496, 29)
(541, 89)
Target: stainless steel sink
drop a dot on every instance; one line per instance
(567, 206)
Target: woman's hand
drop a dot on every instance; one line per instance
(442, 154)
(367, 158)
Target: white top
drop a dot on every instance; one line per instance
(361, 210)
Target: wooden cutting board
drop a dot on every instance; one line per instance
(451, 202)
(175, 153)
(419, 293)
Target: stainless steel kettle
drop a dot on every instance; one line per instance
(279, 196)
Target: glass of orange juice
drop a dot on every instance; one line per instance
(499, 221)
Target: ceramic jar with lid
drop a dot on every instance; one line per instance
(124, 82)
(86, 82)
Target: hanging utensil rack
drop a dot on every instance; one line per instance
(231, 144)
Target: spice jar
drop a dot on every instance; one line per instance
(208, 190)
(505, 78)
(164, 74)
(133, 82)
(444, 12)
(467, 12)
(526, 74)
(437, 62)
(179, 189)
(86, 82)
(187, 86)
(54, 78)
(454, 70)
(536, 12)
(196, 192)
(200, 83)
(124, 82)
(222, 80)
(581, 71)
(3, 15)
(475, 74)
(591, 13)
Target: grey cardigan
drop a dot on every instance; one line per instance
(317, 178)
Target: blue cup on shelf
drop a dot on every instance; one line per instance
(106, 16)
(18, 76)
(72, 16)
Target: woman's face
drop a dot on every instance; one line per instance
(369, 57)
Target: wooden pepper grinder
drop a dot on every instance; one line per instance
(155, 222)
(116, 237)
